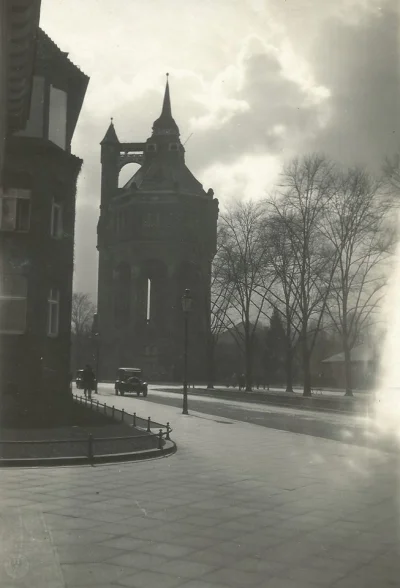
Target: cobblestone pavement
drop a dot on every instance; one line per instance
(237, 506)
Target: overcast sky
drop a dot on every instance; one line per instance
(253, 82)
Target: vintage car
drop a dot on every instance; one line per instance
(130, 381)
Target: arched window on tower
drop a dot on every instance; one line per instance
(148, 301)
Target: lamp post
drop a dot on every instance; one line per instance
(96, 337)
(186, 307)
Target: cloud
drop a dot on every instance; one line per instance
(252, 83)
(275, 103)
(247, 178)
(359, 63)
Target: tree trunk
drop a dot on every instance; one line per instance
(289, 355)
(347, 368)
(249, 365)
(306, 370)
(289, 368)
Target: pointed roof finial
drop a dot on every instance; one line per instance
(111, 135)
(165, 123)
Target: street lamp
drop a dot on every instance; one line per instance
(96, 337)
(186, 307)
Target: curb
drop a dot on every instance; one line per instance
(169, 449)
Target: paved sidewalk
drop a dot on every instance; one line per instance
(237, 506)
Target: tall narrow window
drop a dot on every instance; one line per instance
(53, 312)
(56, 228)
(13, 303)
(148, 311)
(58, 117)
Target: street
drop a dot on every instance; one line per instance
(346, 428)
(237, 505)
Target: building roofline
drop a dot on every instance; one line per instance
(22, 25)
(61, 54)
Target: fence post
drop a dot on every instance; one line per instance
(122, 414)
(90, 447)
(167, 434)
(113, 411)
(134, 419)
(160, 439)
(148, 425)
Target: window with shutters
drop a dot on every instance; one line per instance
(15, 210)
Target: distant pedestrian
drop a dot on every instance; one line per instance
(242, 382)
(234, 380)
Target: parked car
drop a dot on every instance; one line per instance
(130, 381)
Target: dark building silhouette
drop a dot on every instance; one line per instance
(19, 21)
(156, 237)
(37, 218)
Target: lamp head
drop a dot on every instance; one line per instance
(187, 301)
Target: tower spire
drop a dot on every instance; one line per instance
(165, 124)
(111, 135)
(166, 107)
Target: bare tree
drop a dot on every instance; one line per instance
(245, 274)
(220, 308)
(391, 170)
(306, 189)
(82, 313)
(283, 296)
(355, 224)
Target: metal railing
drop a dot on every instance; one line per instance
(120, 415)
(126, 418)
(86, 447)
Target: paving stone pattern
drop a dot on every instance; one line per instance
(237, 506)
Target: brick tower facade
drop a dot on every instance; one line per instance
(156, 237)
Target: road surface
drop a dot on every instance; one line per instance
(353, 429)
